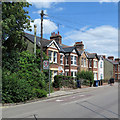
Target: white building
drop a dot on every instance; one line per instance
(100, 68)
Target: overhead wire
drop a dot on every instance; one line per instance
(75, 28)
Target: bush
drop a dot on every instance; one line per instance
(63, 81)
(24, 83)
(15, 89)
(40, 93)
(87, 76)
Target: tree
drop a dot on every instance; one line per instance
(15, 20)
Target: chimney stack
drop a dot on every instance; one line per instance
(111, 57)
(117, 59)
(79, 45)
(56, 37)
(104, 56)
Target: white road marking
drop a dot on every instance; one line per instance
(59, 100)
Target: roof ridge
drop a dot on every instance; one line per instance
(36, 36)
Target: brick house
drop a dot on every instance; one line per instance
(52, 48)
(93, 64)
(82, 56)
(71, 61)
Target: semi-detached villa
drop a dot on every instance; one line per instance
(70, 59)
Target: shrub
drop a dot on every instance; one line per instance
(40, 93)
(65, 81)
(15, 89)
(24, 83)
(87, 76)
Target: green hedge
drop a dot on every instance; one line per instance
(87, 76)
(24, 82)
(63, 81)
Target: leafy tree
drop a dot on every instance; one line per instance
(15, 20)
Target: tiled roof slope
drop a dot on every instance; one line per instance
(69, 49)
(45, 42)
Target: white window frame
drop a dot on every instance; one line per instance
(66, 59)
(61, 59)
(90, 63)
(101, 64)
(51, 55)
(84, 62)
(55, 57)
(75, 60)
(95, 64)
(72, 60)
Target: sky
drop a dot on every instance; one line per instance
(94, 23)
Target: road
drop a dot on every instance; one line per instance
(101, 102)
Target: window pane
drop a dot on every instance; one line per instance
(55, 57)
(61, 59)
(82, 61)
(75, 60)
(71, 59)
(101, 65)
(50, 54)
(71, 73)
(66, 59)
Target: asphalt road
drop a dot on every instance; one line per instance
(99, 103)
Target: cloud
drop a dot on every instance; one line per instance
(46, 4)
(39, 11)
(48, 26)
(59, 9)
(109, 1)
(102, 39)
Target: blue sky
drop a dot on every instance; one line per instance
(94, 23)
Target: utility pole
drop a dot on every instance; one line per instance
(42, 14)
(35, 27)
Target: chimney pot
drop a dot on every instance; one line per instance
(111, 57)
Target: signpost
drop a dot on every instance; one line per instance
(46, 66)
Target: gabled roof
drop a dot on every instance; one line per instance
(45, 42)
(38, 39)
(91, 55)
(69, 49)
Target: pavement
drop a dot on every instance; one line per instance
(64, 92)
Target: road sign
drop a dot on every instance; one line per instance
(60, 69)
(46, 64)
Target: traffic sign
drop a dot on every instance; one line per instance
(46, 64)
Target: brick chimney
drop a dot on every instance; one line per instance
(56, 37)
(104, 56)
(111, 57)
(79, 45)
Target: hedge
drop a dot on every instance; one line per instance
(63, 81)
(86, 76)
